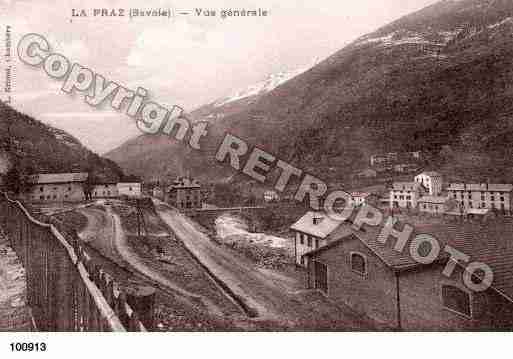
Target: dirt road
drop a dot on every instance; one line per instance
(99, 232)
(272, 295)
(105, 233)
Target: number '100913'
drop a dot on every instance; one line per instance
(28, 347)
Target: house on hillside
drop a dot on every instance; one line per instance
(434, 204)
(56, 187)
(482, 196)
(357, 269)
(431, 181)
(184, 193)
(271, 196)
(131, 189)
(359, 198)
(406, 167)
(383, 159)
(366, 173)
(405, 194)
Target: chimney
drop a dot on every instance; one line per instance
(317, 219)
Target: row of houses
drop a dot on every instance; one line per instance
(356, 267)
(73, 187)
(426, 193)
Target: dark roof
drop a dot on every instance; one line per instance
(370, 237)
(490, 243)
(43, 178)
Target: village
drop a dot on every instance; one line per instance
(348, 267)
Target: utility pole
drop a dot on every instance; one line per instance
(141, 224)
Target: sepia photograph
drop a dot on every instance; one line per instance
(294, 171)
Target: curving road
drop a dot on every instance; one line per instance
(271, 295)
(105, 233)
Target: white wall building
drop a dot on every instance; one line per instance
(105, 190)
(132, 189)
(312, 231)
(405, 194)
(433, 204)
(359, 198)
(431, 181)
(482, 196)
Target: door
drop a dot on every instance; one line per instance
(321, 276)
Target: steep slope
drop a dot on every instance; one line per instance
(240, 99)
(438, 77)
(39, 147)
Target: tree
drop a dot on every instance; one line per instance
(88, 186)
(12, 180)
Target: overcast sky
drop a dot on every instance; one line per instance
(188, 60)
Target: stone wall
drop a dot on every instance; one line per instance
(14, 311)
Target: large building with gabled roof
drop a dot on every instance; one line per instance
(360, 269)
(56, 187)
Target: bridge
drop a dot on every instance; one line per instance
(207, 216)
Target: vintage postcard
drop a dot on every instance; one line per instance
(255, 166)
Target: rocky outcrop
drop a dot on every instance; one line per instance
(14, 311)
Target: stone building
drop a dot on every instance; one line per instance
(405, 194)
(374, 279)
(482, 196)
(184, 193)
(56, 187)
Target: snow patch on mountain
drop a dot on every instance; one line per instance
(64, 137)
(397, 38)
(269, 84)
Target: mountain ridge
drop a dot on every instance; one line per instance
(37, 147)
(437, 78)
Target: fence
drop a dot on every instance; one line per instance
(65, 289)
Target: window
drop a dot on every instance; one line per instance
(456, 300)
(309, 241)
(358, 263)
(41, 189)
(301, 239)
(69, 188)
(129, 188)
(316, 243)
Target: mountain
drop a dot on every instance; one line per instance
(242, 98)
(439, 80)
(37, 147)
